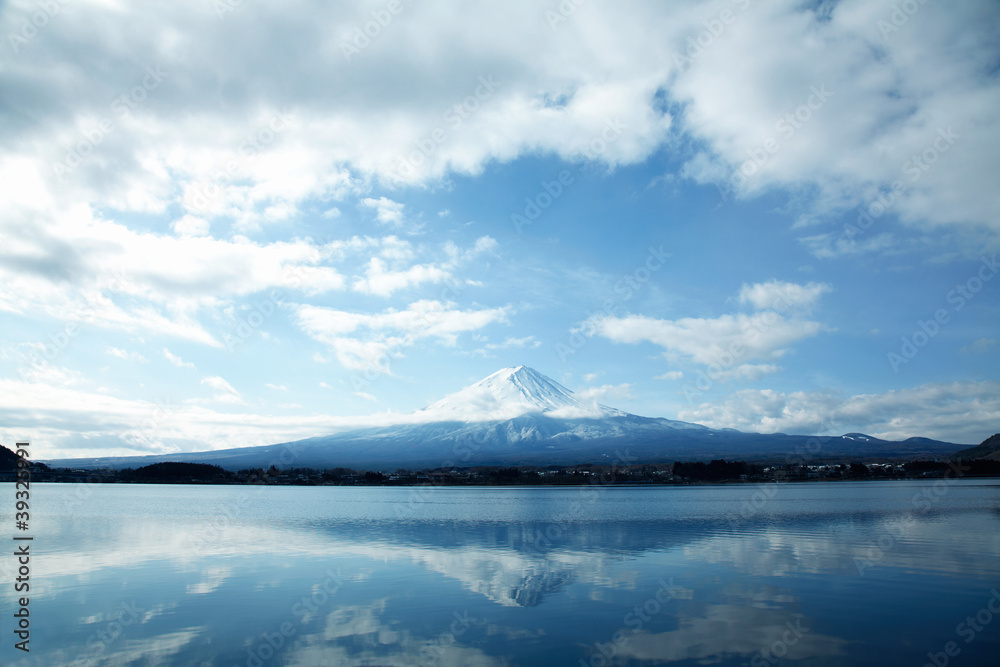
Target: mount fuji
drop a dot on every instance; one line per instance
(518, 416)
(513, 392)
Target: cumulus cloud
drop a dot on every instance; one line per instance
(126, 355)
(321, 129)
(176, 360)
(710, 341)
(391, 271)
(811, 100)
(812, 125)
(605, 391)
(87, 269)
(386, 211)
(224, 392)
(728, 343)
(381, 281)
(961, 412)
(191, 225)
(366, 341)
(778, 295)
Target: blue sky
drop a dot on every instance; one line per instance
(239, 224)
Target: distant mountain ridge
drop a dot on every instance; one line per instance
(518, 416)
(8, 459)
(988, 449)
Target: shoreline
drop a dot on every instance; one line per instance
(91, 479)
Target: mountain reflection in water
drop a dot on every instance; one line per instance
(511, 575)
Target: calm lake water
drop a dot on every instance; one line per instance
(804, 574)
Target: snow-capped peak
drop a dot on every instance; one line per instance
(512, 392)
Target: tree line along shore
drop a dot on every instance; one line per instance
(679, 473)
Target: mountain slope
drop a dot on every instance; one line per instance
(512, 392)
(989, 449)
(519, 416)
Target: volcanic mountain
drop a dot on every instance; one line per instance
(512, 392)
(517, 416)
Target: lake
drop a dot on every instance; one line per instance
(868, 573)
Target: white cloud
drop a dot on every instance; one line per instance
(961, 412)
(508, 343)
(224, 392)
(363, 341)
(127, 356)
(831, 245)
(176, 360)
(605, 391)
(395, 249)
(482, 245)
(386, 211)
(748, 372)
(191, 225)
(928, 81)
(276, 387)
(670, 375)
(778, 295)
(721, 341)
(526, 341)
(261, 165)
(590, 377)
(380, 281)
(41, 371)
(76, 419)
(388, 272)
(343, 129)
(81, 268)
(726, 344)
